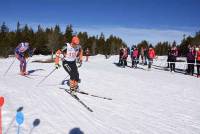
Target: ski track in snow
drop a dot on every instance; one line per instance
(143, 102)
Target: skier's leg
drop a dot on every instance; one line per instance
(24, 66)
(21, 66)
(67, 67)
(74, 75)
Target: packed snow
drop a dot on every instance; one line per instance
(143, 102)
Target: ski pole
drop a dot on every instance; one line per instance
(9, 67)
(31, 54)
(36, 123)
(19, 120)
(12, 121)
(46, 76)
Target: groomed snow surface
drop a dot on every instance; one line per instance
(144, 102)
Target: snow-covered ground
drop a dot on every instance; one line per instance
(144, 102)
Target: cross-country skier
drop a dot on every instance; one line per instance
(69, 54)
(20, 53)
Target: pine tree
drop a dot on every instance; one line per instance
(54, 40)
(68, 33)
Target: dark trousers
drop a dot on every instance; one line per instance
(190, 69)
(120, 61)
(123, 62)
(150, 63)
(134, 62)
(172, 65)
(72, 70)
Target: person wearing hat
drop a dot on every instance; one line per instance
(20, 53)
(69, 54)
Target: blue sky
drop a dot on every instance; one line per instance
(132, 20)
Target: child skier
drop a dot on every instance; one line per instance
(20, 51)
(68, 54)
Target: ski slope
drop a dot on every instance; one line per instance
(143, 102)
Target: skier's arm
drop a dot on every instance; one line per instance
(80, 55)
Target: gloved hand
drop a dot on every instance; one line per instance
(57, 66)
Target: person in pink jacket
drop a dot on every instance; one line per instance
(134, 56)
(151, 56)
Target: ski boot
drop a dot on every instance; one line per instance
(73, 86)
(26, 73)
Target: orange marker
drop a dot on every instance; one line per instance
(1, 104)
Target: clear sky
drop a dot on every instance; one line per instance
(132, 20)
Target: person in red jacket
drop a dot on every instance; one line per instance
(151, 56)
(198, 60)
